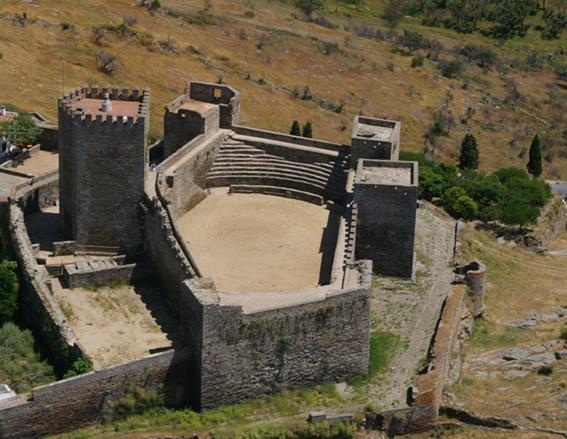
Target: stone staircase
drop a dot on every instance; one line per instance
(305, 173)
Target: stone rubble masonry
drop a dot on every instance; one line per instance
(76, 277)
(186, 119)
(386, 215)
(40, 308)
(87, 399)
(164, 249)
(227, 98)
(238, 355)
(38, 192)
(102, 164)
(282, 137)
(551, 222)
(475, 277)
(182, 176)
(379, 147)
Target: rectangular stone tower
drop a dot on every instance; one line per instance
(374, 138)
(202, 109)
(102, 165)
(385, 194)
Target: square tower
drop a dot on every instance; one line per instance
(385, 193)
(374, 138)
(102, 165)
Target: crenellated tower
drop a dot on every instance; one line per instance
(102, 165)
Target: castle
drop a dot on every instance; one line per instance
(239, 339)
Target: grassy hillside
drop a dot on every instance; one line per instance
(263, 49)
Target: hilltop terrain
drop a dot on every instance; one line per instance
(343, 62)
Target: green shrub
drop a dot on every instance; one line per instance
(8, 290)
(482, 56)
(563, 334)
(308, 130)
(545, 370)
(417, 61)
(521, 214)
(450, 68)
(137, 401)
(295, 129)
(81, 365)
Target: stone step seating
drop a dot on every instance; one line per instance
(276, 191)
(276, 163)
(238, 163)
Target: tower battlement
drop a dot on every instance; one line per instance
(130, 106)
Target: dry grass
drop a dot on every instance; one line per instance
(274, 54)
(519, 283)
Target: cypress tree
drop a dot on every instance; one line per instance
(295, 129)
(469, 157)
(307, 130)
(534, 164)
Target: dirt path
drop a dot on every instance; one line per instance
(411, 310)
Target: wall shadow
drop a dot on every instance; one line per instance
(328, 246)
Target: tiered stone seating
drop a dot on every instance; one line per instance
(278, 168)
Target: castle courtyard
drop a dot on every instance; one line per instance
(265, 243)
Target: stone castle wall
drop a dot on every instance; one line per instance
(186, 172)
(86, 399)
(40, 309)
(241, 355)
(166, 252)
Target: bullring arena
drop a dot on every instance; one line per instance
(221, 263)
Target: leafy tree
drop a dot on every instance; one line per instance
(506, 174)
(308, 7)
(459, 204)
(534, 163)
(518, 213)
(22, 130)
(466, 14)
(295, 129)
(469, 157)
(8, 290)
(556, 22)
(307, 130)
(510, 16)
(394, 11)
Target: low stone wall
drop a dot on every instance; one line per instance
(76, 278)
(282, 137)
(86, 399)
(38, 192)
(423, 412)
(39, 307)
(552, 221)
(63, 248)
(276, 191)
(241, 355)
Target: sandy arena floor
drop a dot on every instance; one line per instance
(114, 324)
(249, 242)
